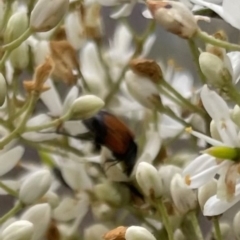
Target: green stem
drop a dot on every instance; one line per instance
(8, 190)
(195, 225)
(17, 42)
(217, 228)
(182, 99)
(216, 42)
(3, 59)
(21, 126)
(54, 123)
(195, 54)
(11, 213)
(6, 14)
(163, 212)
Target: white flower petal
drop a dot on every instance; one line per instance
(235, 61)
(72, 95)
(8, 160)
(147, 14)
(148, 45)
(124, 11)
(203, 177)
(194, 166)
(51, 99)
(214, 206)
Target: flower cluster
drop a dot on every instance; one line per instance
(123, 144)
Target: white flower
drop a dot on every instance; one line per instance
(95, 232)
(19, 230)
(39, 215)
(205, 167)
(35, 186)
(228, 10)
(138, 233)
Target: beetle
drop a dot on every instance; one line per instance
(111, 132)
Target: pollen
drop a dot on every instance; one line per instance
(188, 129)
(116, 234)
(188, 180)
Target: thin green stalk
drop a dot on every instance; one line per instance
(6, 14)
(3, 59)
(17, 42)
(21, 126)
(182, 99)
(8, 190)
(195, 54)
(11, 213)
(195, 224)
(216, 42)
(54, 123)
(217, 228)
(163, 213)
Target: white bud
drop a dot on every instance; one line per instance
(16, 25)
(112, 193)
(86, 106)
(51, 198)
(3, 89)
(178, 235)
(102, 211)
(46, 14)
(39, 215)
(138, 233)
(19, 57)
(95, 232)
(183, 197)
(236, 224)
(149, 180)
(213, 68)
(9, 159)
(35, 186)
(175, 17)
(141, 89)
(166, 174)
(205, 192)
(19, 230)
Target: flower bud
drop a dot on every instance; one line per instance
(86, 106)
(166, 174)
(47, 14)
(19, 57)
(51, 198)
(206, 191)
(236, 224)
(138, 233)
(114, 194)
(102, 211)
(3, 89)
(183, 197)
(149, 180)
(178, 235)
(142, 89)
(17, 24)
(19, 230)
(223, 152)
(95, 232)
(214, 69)
(39, 215)
(9, 159)
(35, 186)
(175, 17)
(146, 68)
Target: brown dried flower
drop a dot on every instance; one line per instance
(116, 234)
(147, 68)
(41, 74)
(53, 232)
(65, 61)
